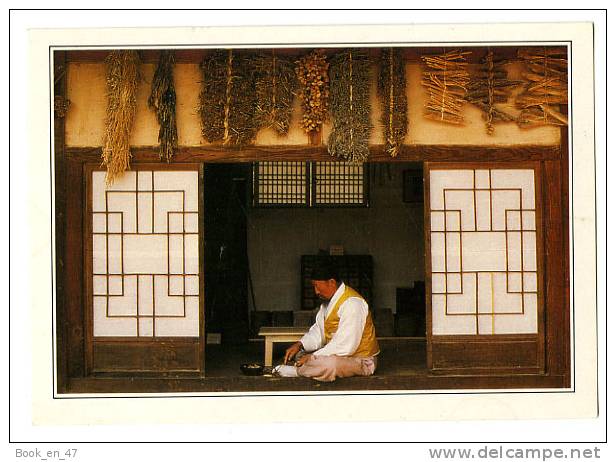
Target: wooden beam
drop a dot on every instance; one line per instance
(410, 54)
(73, 274)
(59, 91)
(417, 153)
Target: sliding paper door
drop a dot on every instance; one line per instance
(145, 284)
(484, 244)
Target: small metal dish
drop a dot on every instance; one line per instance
(252, 369)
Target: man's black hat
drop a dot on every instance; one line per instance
(325, 269)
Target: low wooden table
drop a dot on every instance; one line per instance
(278, 335)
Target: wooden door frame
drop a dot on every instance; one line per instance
(70, 162)
(478, 344)
(158, 348)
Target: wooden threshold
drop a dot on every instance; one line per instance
(239, 384)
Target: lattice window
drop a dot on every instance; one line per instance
(281, 184)
(305, 184)
(483, 240)
(338, 183)
(145, 255)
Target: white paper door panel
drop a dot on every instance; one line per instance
(483, 241)
(145, 254)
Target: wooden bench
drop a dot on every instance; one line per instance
(279, 335)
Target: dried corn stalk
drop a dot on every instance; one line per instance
(122, 76)
(275, 85)
(227, 99)
(546, 88)
(162, 100)
(350, 106)
(392, 90)
(446, 81)
(313, 74)
(489, 87)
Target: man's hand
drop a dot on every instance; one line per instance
(292, 351)
(300, 362)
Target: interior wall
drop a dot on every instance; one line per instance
(389, 230)
(85, 119)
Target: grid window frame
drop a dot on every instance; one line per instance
(353, 192)
(264, 193)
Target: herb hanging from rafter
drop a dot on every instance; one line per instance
(227, 99)
(446, 80)
(546, 88)
(313, 75)
(392, 90)
(275, 86)
(162, 100)
(489, 87)
(350, 106)
(122, 75)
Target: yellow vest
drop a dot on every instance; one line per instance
(368, 346)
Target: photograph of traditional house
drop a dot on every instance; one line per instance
(205, 197)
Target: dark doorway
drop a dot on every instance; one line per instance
(226, 258)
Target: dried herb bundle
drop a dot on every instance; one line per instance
(227, 99)
(122, 80)
(275, 86)
(313, 74)
(489, 87)
(162, 100)
(350, 106)
(546, 88)
(392, 90)
(446, 81)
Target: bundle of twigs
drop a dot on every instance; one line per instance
(122, 80)
(392, 90)
(489, 87)
(546, 88)
(350, 106)
(227, 99)
(275, 86)
(313, 74)
(446, 81)
(162, 100)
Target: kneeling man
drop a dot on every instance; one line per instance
(342, 342)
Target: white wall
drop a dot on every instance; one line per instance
(389, 230)
(85, 118)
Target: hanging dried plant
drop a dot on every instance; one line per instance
(392, 90)
(227, 99)
(446, 80)
(313, 74)
(162, 100)
(546, 88)
(275, 85)
(350, 106)
(122, 81)
(489, 87)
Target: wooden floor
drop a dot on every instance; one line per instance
(398, 358)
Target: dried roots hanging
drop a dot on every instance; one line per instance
(350, 109)
(122, 81)
(392, 90)
(162, 100)
(227, 99)
(313, 74)
(546, 88)
(446, 80)
(489, 87)
(275, 86)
